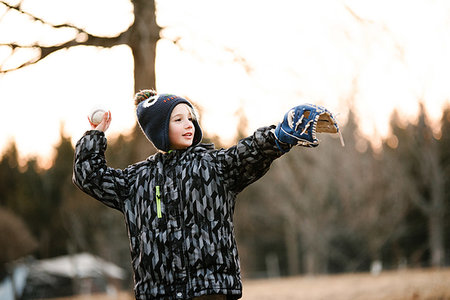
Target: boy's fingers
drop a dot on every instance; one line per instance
(104, 124)
(92, 124)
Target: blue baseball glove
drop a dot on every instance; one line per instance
(301, 123)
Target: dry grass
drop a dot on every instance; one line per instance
(395, 285)
(118, 296)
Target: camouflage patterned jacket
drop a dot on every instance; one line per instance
(178, 209)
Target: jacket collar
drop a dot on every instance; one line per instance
(177, 154)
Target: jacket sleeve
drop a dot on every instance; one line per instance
(93, 176)
(249, 159)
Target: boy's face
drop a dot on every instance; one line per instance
(181, 128)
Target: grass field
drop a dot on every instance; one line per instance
(393, 285)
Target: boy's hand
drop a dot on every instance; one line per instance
(104, 124)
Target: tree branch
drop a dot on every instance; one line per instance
(18, 8)
(103, 42)
(236, 57)
(356, 16)
(82, 38)
(397, 46)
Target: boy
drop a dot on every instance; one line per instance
(178, 204)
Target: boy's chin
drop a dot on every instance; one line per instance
(181, 146)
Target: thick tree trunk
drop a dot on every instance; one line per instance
(143, 39)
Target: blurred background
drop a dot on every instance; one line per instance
(379, 204)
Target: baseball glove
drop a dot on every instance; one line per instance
(301, 124)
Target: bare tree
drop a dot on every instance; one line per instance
(332, 199)
(141, 37)
(423, 176)
(427, 191)
(371, 195)
(297, 191)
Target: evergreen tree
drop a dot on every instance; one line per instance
(57, 179)
(9, 177)
(444, 150)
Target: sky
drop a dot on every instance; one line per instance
(375, 56)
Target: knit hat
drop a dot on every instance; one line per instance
(153, 116)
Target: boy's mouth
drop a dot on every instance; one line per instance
(188, 134)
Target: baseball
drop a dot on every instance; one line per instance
(96, 116)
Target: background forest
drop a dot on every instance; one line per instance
(317, 211)
(323, 210)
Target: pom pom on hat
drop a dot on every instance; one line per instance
(153, 114)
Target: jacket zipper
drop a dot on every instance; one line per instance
(158, 202)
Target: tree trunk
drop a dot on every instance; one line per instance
(435, 227)
(310, 261)
(437, 209)
(436, 220)
(292, 248)
(143, 38)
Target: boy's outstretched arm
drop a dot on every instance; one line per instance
(90, 172)
(251, 158)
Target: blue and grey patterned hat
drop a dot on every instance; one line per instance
(153, 116)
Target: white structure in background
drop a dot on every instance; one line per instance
(62, 276)
(376, 267)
